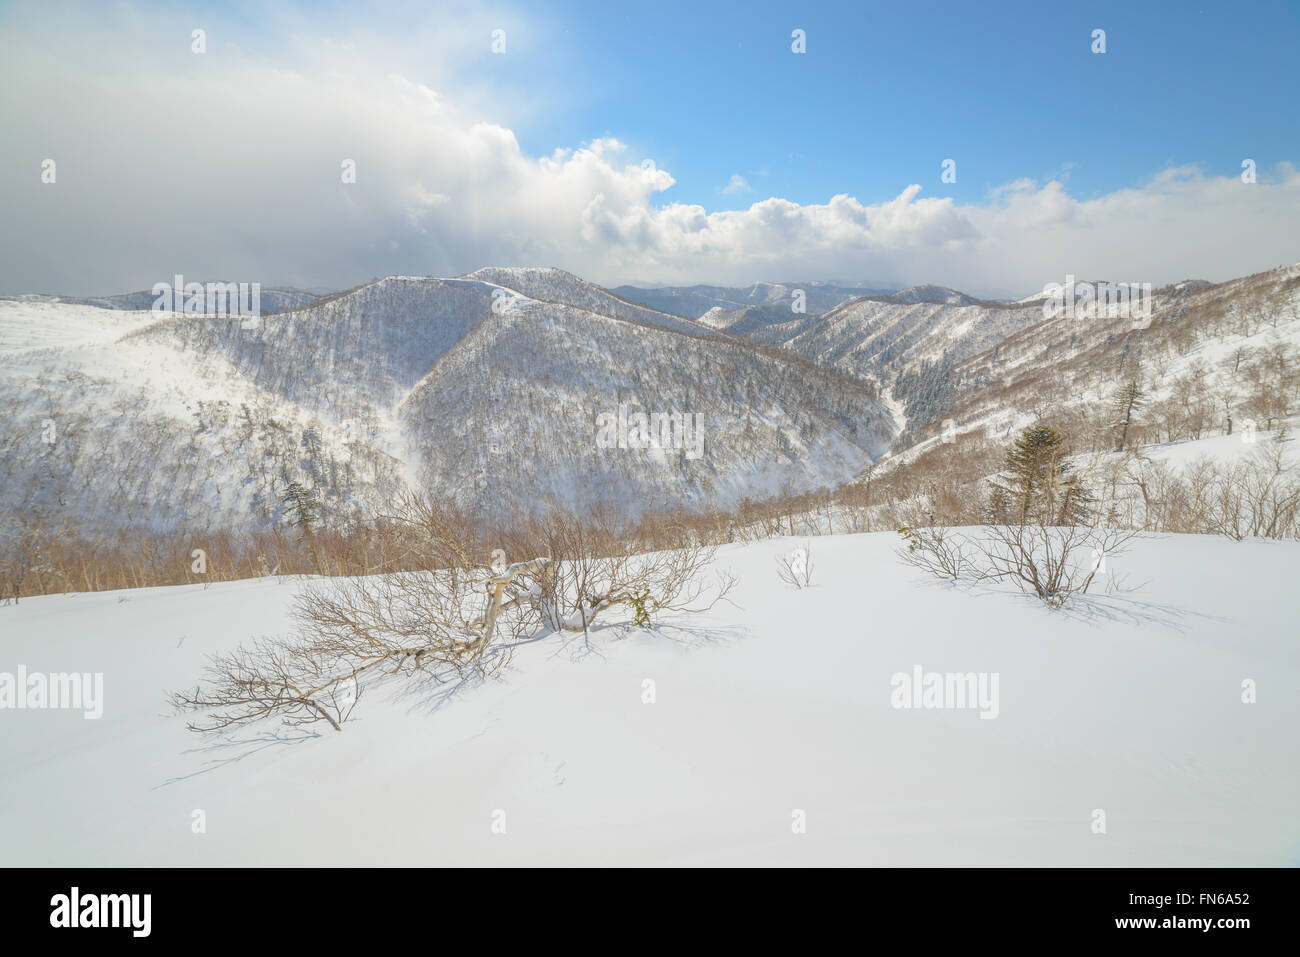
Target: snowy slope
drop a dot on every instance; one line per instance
(28, 324)
(936, 294)
(905, 344)
(846, 319)
(1219, 448)
(478, 392)
(695, 301)
(1131, 705)
(271, 299)
(883, 335)
(558, 286)
(1203, 344)
(479, 416)
(750, 321)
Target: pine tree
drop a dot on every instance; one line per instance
(1128, 400)
(997, 511)
(1041, 486)
(304, 506)
(311, 446)
(1076, 501)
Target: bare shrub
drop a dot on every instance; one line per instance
(447, 614)
(936, 550)
(271, 677)
(441, 615)
(29, 557)
(594, 565)
(795, 568)
(1052, 563)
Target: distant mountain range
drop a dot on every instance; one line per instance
(273, 299)
(489, 390)
(694, 301)
(508, 388)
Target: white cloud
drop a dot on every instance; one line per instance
(737, 184)
(231, 168)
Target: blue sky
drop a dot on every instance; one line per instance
(887, 91)
(1123, 165)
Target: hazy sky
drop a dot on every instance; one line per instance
(668, 142)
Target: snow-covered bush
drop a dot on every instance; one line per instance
(1050, 562)
(935, 549)
(795, 568)
(448, 614)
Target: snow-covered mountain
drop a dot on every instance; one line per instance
(1208, 356)
(696, 301)
(902, 341)
(936, 352)
(558, 286)
(499, 390)
(932, 293)
(273, 299)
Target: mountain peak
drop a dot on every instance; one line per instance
(932, 293)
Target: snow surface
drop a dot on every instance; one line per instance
(1224, 449)
(30, 325)
(1130, 704)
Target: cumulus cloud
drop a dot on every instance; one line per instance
(233, 169)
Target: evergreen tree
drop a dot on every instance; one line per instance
(303, 506)
(1076, 501)
(1041, 486)
(311, 447)
(1128, 400)
(997, 511)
